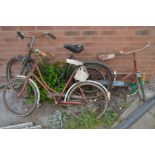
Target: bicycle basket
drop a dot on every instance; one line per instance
(81, 74)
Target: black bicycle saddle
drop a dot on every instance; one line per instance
(74, 48)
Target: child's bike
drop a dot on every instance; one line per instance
(134, 79)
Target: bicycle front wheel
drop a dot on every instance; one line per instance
(16, 67)
(20, 105)
(140, 87)
(92, 102)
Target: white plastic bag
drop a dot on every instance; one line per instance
(81, 74)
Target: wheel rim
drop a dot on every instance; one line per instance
(23, 105)
(102, 73)
(96, 103)
(16, 68)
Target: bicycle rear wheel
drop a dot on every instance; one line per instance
(24, 104)
(90, 102)
(100, 71)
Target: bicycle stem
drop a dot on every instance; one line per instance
(32, 43)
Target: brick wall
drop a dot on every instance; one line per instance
(96, 39)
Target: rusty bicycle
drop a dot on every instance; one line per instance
(134, 79)
(21, 95)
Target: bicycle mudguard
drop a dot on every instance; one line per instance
(97, 62)
(35, 85)
(107, 92)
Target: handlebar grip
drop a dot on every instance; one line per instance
(21, 35)
(51, 35)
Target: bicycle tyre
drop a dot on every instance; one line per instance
(140, 88)
(18, 105)
(80, 109)
(104, 70)
(18, 60)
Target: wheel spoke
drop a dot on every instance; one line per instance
(24, 104)
(96, 102)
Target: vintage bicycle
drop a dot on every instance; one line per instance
(22, 95)
(134, 79)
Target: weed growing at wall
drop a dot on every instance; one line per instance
(51, 74)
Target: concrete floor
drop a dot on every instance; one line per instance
(39, 116)
(147, 121)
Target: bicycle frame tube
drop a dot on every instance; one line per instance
(133, 72)
(67, 65)
(135, 63)
(42, 82)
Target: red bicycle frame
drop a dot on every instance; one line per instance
(46, 87)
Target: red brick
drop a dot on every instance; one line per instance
(63, 28)
(135, 38)
(136, 27)
(4, 34)
(116, 38)
(108, 32)
(81, 27)
(27, 28)
(89, 33)
(11, 39)
(142, 32)
(99, 38)
(90, 43)
(8, 28)
(72, 33)
(1, 40)
(65, 39)
(81, 39)
(44, 27)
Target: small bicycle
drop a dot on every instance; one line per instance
(133, 79)
(22, 95)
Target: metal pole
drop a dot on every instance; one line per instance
(134, 116)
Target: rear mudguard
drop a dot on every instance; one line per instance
(97, 62)
(106, 91)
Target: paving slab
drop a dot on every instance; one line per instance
(145, 122)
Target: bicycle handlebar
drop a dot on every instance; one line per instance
(51, 35)
(22, 36)
(33, 38)
(134, 51)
